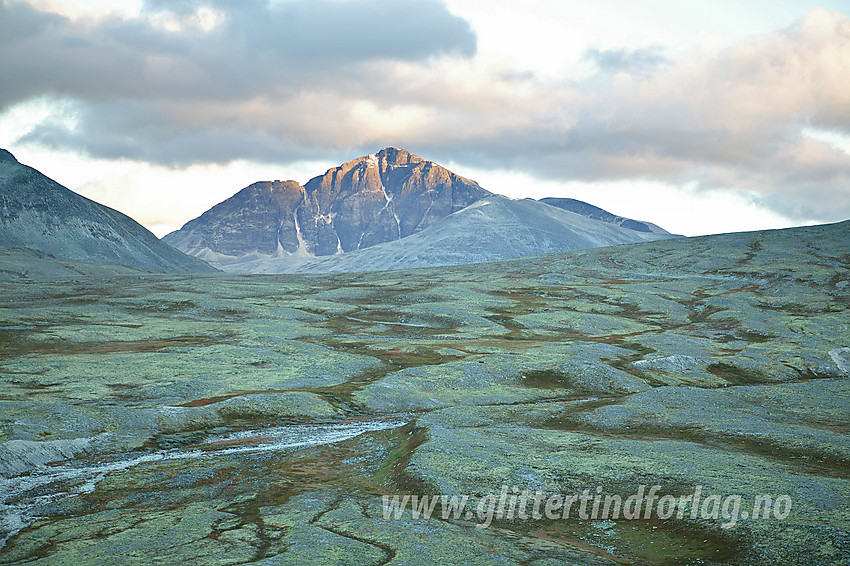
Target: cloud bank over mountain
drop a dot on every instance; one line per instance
(181, 83)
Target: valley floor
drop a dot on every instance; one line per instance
(260, 419)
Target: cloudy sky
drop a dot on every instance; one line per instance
(701, 116)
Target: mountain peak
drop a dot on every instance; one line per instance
(387, 157)
(366, 201)
(393, 152)
(7, 157)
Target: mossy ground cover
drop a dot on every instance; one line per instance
(712, 361)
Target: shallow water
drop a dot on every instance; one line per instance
(23, 495)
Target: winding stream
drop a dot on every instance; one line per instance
(23, 495)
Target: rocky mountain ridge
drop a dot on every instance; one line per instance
(385, 199)
(366, 201)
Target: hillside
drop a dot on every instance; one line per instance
(47, 222)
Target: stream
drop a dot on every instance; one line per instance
(21, 496)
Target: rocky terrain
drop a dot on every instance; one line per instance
(229, 419)
(48, 230)
(410, 208)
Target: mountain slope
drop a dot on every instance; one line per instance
(367, 201)
(492, 228)
(39, 214)
(590, 211)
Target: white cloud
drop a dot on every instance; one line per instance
(836, 140)
(680, 210)
(89, 9)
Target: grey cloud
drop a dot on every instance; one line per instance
(260, 48)
(641, 61)
(126, 129)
